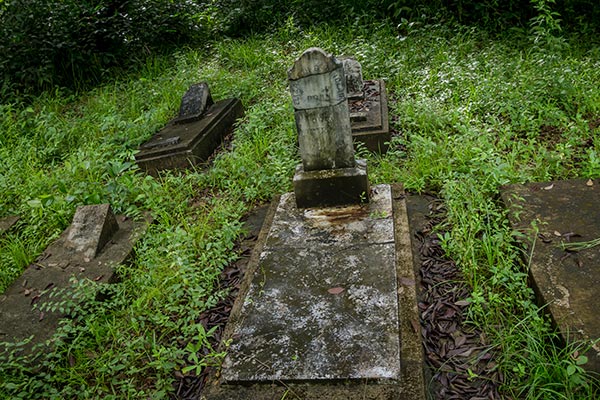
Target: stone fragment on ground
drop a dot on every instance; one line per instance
(554, 216)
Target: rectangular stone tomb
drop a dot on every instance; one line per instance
(323, 303)
(566, 281)
(90, 248)
(369, 117)
(182, 145)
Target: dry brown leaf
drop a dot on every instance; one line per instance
(336, 290)
(548, 187)
(590, 182)
(557, 233)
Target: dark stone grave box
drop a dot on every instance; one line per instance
(182, 145)
(369, 117)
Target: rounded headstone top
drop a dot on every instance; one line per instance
(313, 61)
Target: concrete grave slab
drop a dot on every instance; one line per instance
(567, 282)
(90, 248)
(321, 318)
(191, 138)
(7, 222)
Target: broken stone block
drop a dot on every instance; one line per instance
(191, 138)
(91, 229)
(90, 248)
(566, 282)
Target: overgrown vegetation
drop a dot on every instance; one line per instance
(474, 112)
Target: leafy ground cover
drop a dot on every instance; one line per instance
(474, 112)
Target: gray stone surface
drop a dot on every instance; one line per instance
(194, 103)
(333, 230)
(65, 259)
(181, 146)
(323, 303)
(318, 89)
(354, 78)
(7, 222)
(91, 228)
(566, 282)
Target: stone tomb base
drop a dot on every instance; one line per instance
(180, 146)
(327, 306)
(331, 187)
(567, 282)
(369, 117)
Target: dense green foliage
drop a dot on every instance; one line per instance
(46, 43)
(474, 112)
(69, 43)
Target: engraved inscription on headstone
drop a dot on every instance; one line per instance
(318, 89)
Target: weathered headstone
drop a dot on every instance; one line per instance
(194, 103)
(193, 136)
(565, 282)
(90, 248)
(329, 174)
(354, 78)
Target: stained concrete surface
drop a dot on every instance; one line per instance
(329, 326)
(567, 282)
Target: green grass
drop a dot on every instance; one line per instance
(475, 113)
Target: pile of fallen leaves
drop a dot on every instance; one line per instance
(461, 363)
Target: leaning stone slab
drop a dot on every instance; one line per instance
(7, 222)
(567, 282)
(191, 138)
(90, 248)
(320, 316)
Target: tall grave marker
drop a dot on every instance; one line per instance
(329, 174)
(325, 307)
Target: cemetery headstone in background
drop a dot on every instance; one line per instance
(90, 248)
(554, 215)
(368, 108)
(328, 304)
(193, 136)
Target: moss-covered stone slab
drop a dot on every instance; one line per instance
(181, 145)
(551, 213)
(330, 308)
(90, 248)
